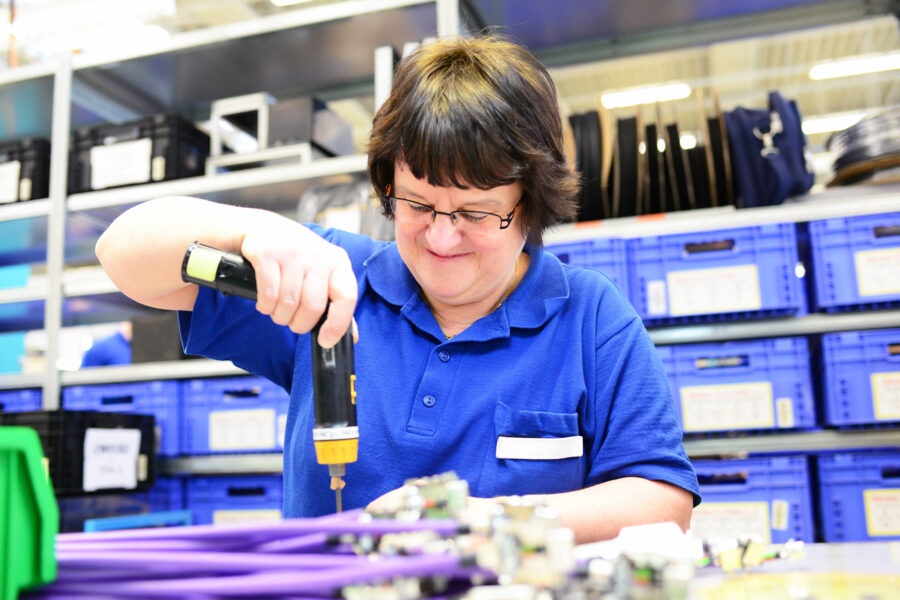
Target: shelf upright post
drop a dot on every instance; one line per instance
(56, 226)
(447, 17)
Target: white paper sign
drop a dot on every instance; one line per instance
(882, 511)
(731, 520)
(729, 406)
(110, 458)
(9, 181)
(242, 516)
(656, 297)
(121, 164)
(348, 218)
(282, 426)
(252, 429)
(878, 272)
(708, 291)
(886, 395)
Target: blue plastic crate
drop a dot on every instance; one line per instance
(158, 398)
(20, 400)
(750, 272)
(765, 498)
(742, 385)
(167, 494)
(859, 496)
(233, 414)
(861, 377)
(856, 262)
(224, 499)
(606, 255)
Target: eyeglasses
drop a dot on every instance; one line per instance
(470, 221)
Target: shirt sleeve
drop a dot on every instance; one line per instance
(642, 436)
(230, 328)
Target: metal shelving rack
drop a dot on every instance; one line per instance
(197, 67)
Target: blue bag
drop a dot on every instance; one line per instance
(768, 153)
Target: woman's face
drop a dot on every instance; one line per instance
(455, 268)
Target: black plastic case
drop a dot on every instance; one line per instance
(62, 435)
(178, 149)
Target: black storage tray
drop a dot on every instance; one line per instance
(33, 153)
(62, 438)
(178, 148)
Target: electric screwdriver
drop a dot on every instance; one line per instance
(335, 432)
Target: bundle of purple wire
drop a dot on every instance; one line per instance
(295, 558)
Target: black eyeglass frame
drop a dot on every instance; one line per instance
(505, 222)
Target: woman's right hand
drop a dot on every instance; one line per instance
(297, 274)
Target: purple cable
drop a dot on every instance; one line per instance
(222, 562)
(303, 543)
(262, 532)
(321, 583)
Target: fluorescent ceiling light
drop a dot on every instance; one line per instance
(835, 122)
(645, 95)
(288, 2)
(857, 65)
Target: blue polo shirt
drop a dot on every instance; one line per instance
(562, 381)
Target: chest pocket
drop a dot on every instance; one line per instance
(536, 452)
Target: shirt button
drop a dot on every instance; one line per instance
(428, 400)
(444, 355)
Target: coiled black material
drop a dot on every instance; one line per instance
(874, 137)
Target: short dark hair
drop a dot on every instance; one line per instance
(476, 112)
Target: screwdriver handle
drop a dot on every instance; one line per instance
(334, 382)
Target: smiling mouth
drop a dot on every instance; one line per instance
(444, 256)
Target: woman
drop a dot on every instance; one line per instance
(477, 351)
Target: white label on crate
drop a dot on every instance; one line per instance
(886, 395)
(781, 514)
(282, 427)
(882, 511)
(252, 429)
(25, 188)
(242, 516)
(121, 164)
(731, 520)
(348, 218)
(785, 409)
(110, 458)
(878, 271)
(158, 168)
(727, 406)
(9, 181)
(706, 291)
(656, 297)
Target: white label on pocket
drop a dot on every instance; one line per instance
(886, 395)
(252, 429)
(729, 406)
(882, 511)
(9, 181)
(121, 164)
(781, 514)
(527, 448)
(878, 271)
(705, 291)
(731, 520)
(282, 426)
(110, 458)
(785, 409)
(243, 516)
(656, 297)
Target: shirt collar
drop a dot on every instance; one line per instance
(541, 293)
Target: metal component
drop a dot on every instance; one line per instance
(336, 472)
(56, 226)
